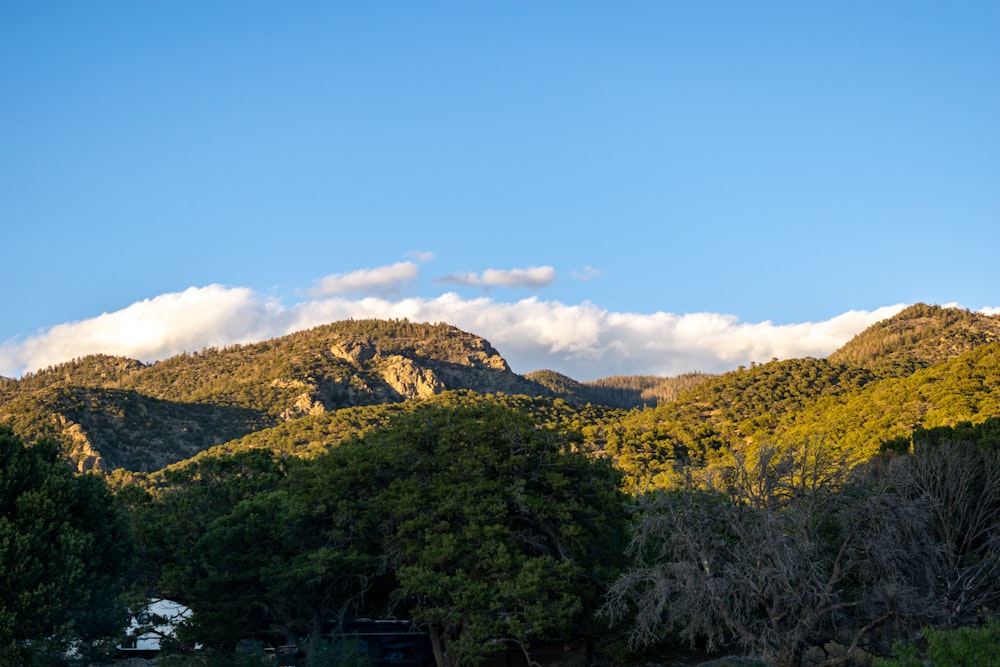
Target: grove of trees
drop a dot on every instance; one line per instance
(470, 520)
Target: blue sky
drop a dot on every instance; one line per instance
(597, 188)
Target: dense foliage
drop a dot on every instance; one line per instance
(64, 552)
(469, 519)
(800, 401)
(943, 648)
(463, 515)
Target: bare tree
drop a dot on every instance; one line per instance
(961, 483)
(788, 552)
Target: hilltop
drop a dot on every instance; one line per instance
(874, 392)
(918, 337)
(112, 412)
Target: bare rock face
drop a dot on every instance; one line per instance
(415, 367)
(82, 453)
(483, 355)
(305, 404)
(408, 379)
(354, 351)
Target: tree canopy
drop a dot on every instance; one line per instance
(64, 552)
(498, 530)
(484, 528)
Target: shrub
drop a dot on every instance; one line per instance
(964, 647)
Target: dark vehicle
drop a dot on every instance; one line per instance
(392, 643)
(385, 643)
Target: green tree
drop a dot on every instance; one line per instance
(283, 564)
(172, 522)
(64, 553)
(961, 647)
(470, 519)
(500, 533)
(465, 516)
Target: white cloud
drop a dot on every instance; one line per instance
(990, 310)
(420, 256)
(152, 329)
(532, 277)
(586, 273)
(582, 341)
(383, 280)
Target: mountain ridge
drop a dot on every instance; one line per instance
(202, 397)
(916, 337)
(115, 412)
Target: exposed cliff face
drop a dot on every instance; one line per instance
(464, 350)
(81, 452)
(409, 380)
(118, 413)
(354, 351)
(401, 369)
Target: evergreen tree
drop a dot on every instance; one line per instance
(64, 550)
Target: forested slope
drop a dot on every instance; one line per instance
(619, 391)
(917, 337)
(315, 435)
(848, 408)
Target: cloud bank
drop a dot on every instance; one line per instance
(582, 341)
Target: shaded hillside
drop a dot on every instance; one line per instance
(111, 411)
(562, 385)
(917, 337)
(103, 429)
(315, 434)
(625, 391)
(619, 391)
